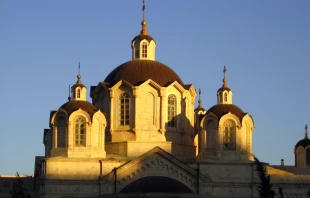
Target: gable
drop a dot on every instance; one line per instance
(156, 163)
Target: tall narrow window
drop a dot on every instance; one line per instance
(225, 97)
(80, 131)
(78, 94)
(172, 110)
(137, 50)
(124, 109)
(229, 135)
(61, 132)
(308, 156)
(144, 50)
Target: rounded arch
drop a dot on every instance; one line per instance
(156, 184)
(60, 112)
(207, 118)
(80, 113)
(232, 117)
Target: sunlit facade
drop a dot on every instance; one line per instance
(141, 136)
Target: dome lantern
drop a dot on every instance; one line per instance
(224, 94)
(143, 46)
(78, 90)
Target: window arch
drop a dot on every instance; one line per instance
(225, 97)
(80, 131)
(172, 111)
(144, 50)
(124, 109)
(78, 93)
(229, 139)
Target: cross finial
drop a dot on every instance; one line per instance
(224, 79)
(69, 97)
(79, 74)
(143, 23)
(199, 93)
(79, 68)
(306, 131)
(143, 10)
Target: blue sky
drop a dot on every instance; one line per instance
(264, 44)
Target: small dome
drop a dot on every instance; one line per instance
(74, 105)
(223, 89)
(138, 71)
(141, 37)
(221, 109)
(304, 143)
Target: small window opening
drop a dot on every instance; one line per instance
(172, 110)
(78, 93)
(144, 50)
(124, 109)
(225, 97)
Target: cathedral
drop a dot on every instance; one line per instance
(142, 136)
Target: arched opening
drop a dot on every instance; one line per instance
(124, 109)
(225, 97)
(229, 139)
(172, 111)
(80, 131)
(144, 50)
(157, 184)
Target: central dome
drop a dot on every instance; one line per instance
(137, 71)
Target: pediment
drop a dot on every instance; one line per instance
(156, 162)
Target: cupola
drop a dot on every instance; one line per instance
(78, 90)
(77, 127)
(302, 151)
(224, 94)
(143, 46)
(225, 131)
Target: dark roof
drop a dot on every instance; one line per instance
(74, 105)
(137, 71)
(221, 109)
(141, 37)
(304, 143)
(223, 89)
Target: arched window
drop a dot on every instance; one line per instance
(80, 131)
(225, 97)
(229, 140)
(144, 50)
(308, 156)
(124, 109)
(61, 132)
(78, 93)
(172, 111)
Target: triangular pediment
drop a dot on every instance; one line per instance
(157, 162)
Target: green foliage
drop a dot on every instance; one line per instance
(18, 190)
(265, 187)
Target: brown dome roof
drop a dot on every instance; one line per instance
(74, 105)
(221, 109)
(304, 143)
(223, 89)
(138, 71)
(141, 37)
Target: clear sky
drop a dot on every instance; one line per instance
(264, 44)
